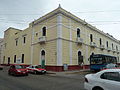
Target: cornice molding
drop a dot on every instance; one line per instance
(62, 11)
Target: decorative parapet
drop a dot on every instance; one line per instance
(102, 47)
(109, 49)
(42, 39)
(79, 40)
(93, 44)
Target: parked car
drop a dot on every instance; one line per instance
(18, 70)
(36, 69)
(108, 79)
(1, 67)
(111, 66)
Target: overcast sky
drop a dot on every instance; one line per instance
(103, 14)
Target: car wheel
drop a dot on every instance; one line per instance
(45, 72)
(97, 88)
(14, 74)
(35, 72)
(27, 74)
(9, 73)
(1, 68)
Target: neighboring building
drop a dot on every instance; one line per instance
(1, 50)
(57, 39)
(17, 46)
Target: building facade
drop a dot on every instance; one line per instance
(1, 50)
(56, 40)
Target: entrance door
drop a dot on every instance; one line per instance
(8, 60)
(43, 59)
(80, 58)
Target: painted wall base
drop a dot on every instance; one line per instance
(70, 67)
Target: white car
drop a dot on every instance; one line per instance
(108, 79)
(36, 69)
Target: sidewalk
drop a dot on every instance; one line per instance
(69, 73)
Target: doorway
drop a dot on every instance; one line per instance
(8, 60)
(43, 59)
(80, 58)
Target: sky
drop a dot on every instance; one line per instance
(103, 14)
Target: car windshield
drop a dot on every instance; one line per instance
(19, 66)
(38, 66)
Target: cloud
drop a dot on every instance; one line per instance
(28, 10)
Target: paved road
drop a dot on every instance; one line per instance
(41, 82)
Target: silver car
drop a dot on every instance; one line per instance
(108, 79)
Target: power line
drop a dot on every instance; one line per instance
(106, 24)
(98, 11)
(91, 22)
(101, 21)
(13, 23)
(20, 14)
(50, 23)
(2, 19)
(15, 20)
(73, 12)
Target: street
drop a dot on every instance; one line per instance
(41, 82)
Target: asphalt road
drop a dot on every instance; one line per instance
(41, 82)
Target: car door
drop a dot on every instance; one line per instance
(31, 68)
(12, 69)
(110, 80)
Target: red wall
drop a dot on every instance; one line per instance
(70, 67)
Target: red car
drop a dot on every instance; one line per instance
(1, 67)
(36, 69)
(17, 70)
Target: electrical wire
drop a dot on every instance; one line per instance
(98, 11)
(105, 11)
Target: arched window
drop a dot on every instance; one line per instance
(78, 32)
(91, 38)
(43, 52)
(80, 58)
(107, 43)
(79, 53)
(112, 46)
(100, 41)
(44, 31)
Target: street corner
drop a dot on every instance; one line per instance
(51, 73)
(80, 72)
(69, 73)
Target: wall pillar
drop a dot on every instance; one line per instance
(59, 40)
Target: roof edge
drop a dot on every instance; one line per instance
(72, 16)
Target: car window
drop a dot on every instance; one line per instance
(38, 66)
(32, 67)
(12, 67)
(19, 66)
(115, 76)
